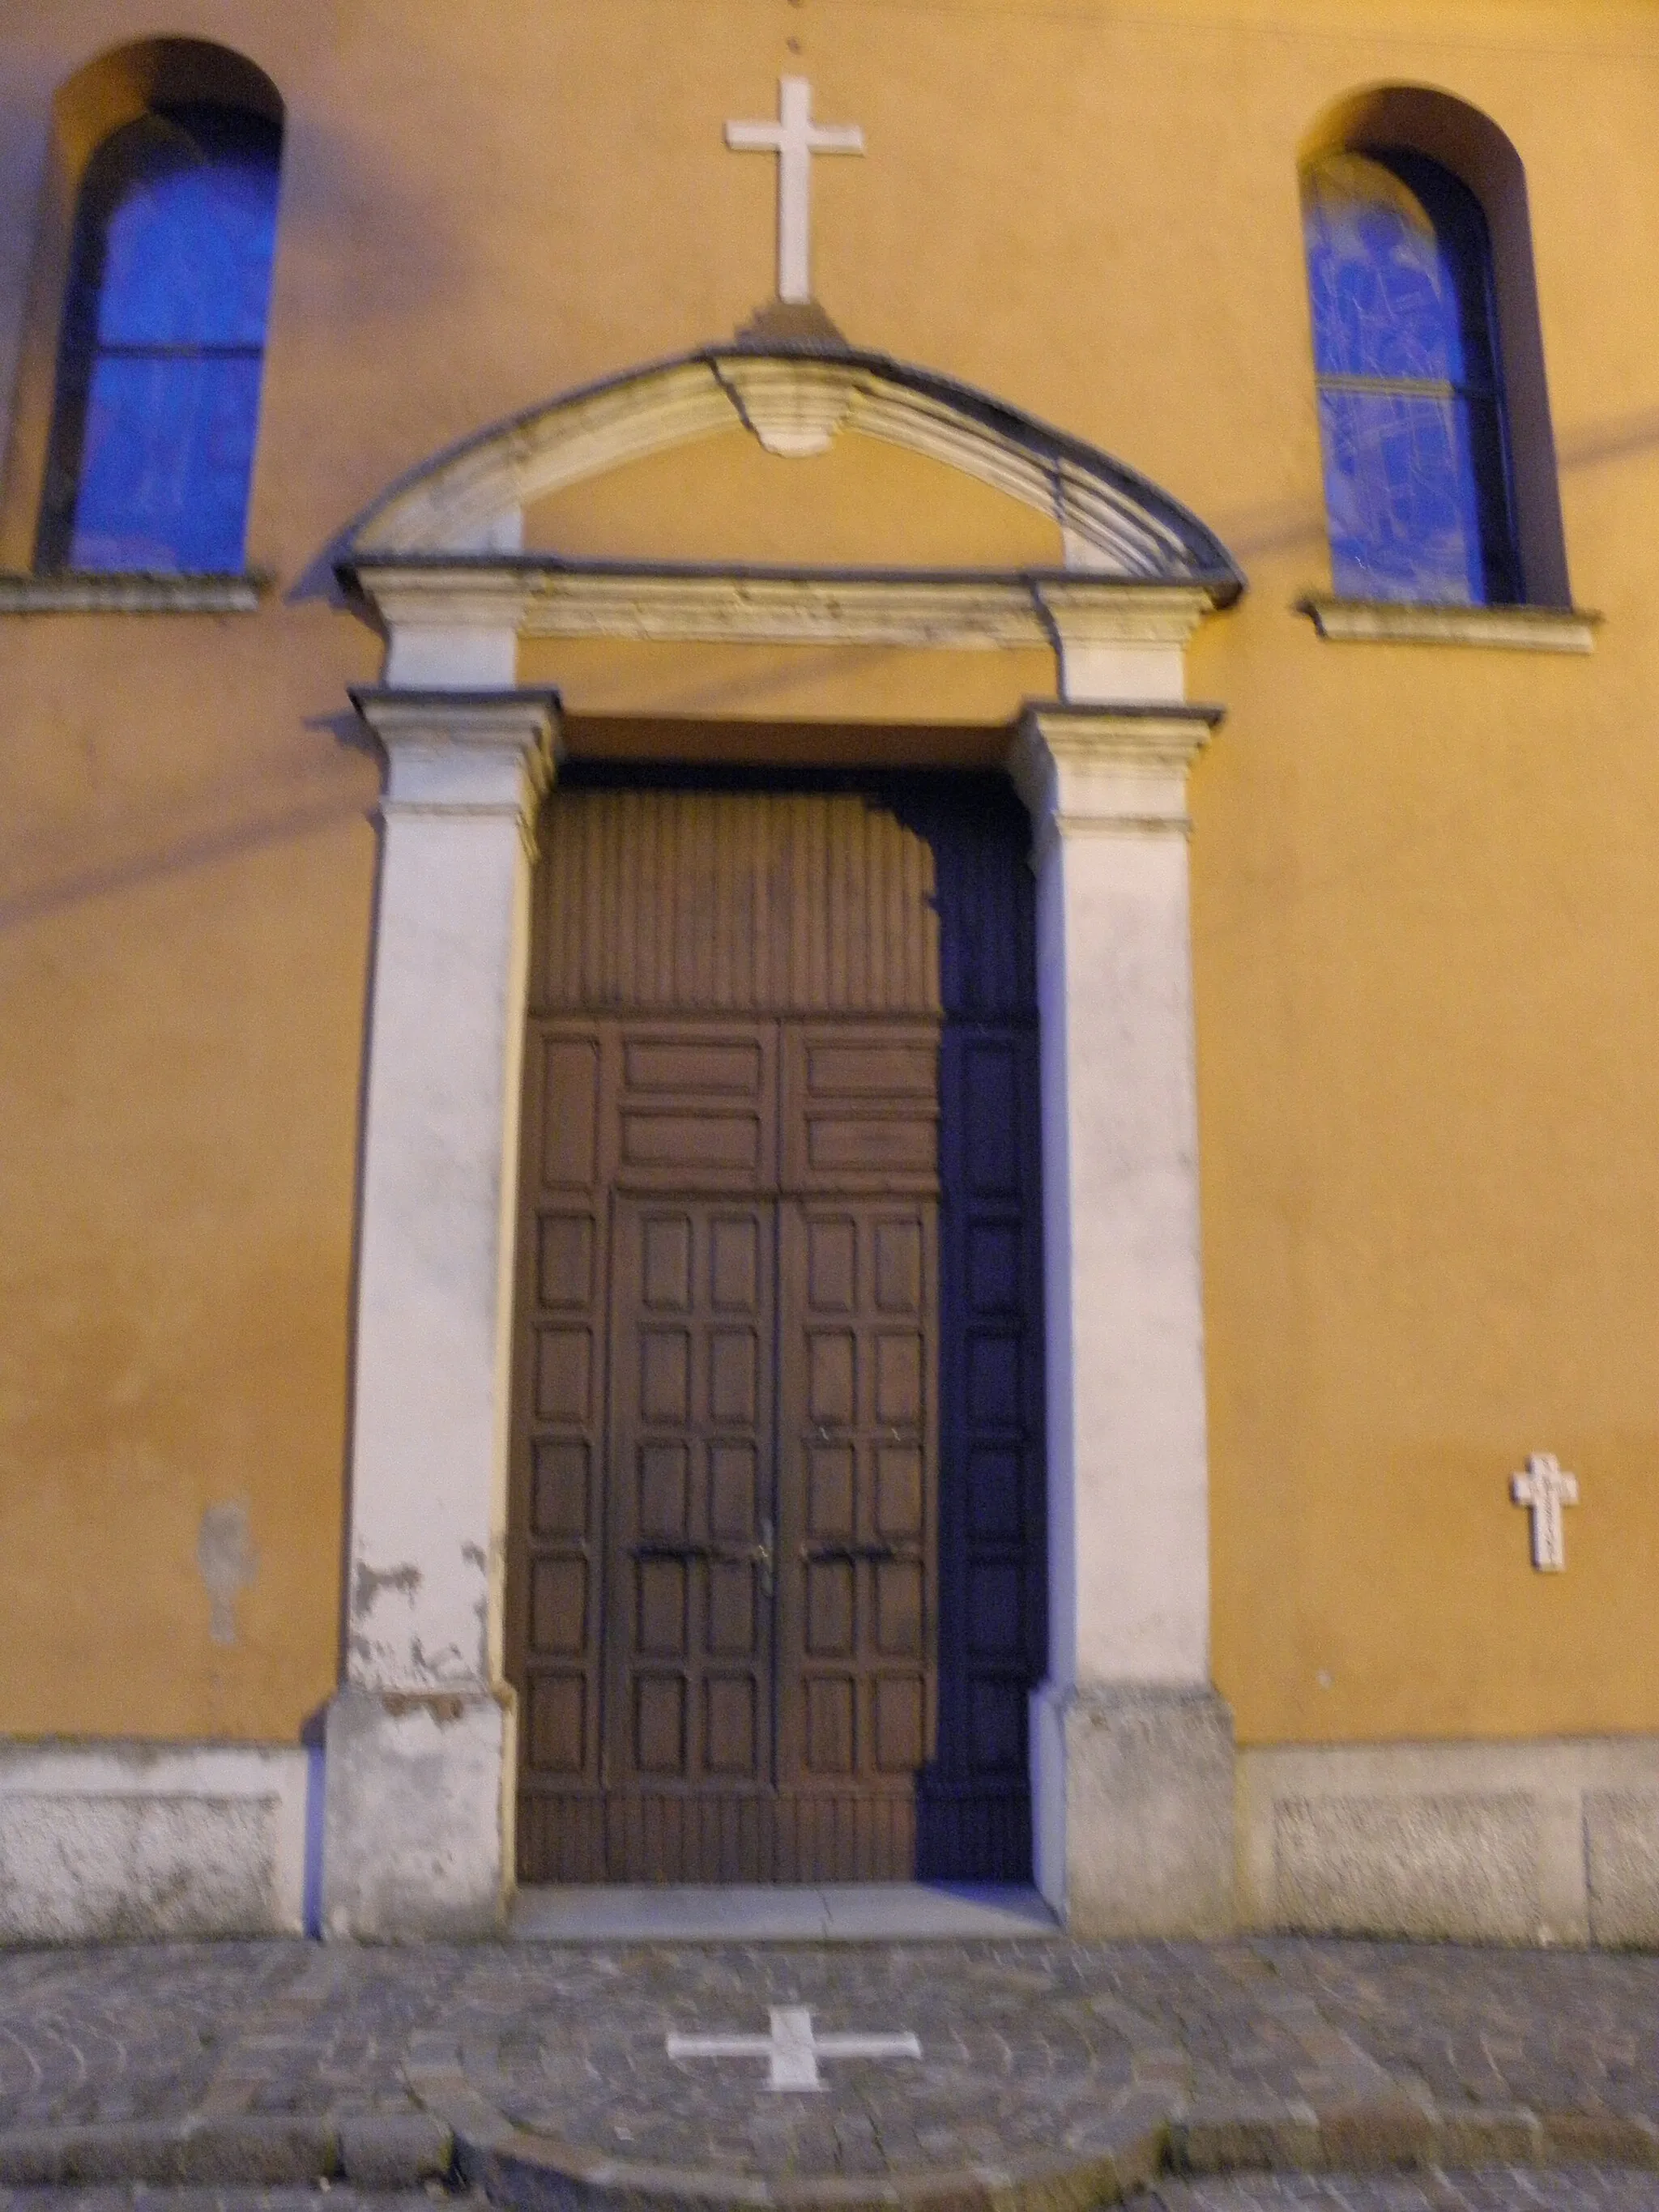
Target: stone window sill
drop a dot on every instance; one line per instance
(1393, 621)
(75, 592)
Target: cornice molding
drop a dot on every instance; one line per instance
(1083, 614)
(536, 597)
(99, 592)
(401, 714)
(1393, 621)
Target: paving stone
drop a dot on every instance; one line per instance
(394, 2150)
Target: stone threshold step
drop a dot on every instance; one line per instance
(1139, 2147)
(468, 2154)
(837, 1912)
(320, 2196)
(374, 2153)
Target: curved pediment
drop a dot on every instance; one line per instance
(796, 403)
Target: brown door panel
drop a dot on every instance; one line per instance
(555, 1575)
(694, 1107)
(861, 1107)
(858, 1463)
(688, 1562)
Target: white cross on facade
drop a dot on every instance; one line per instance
(794, 138)
(1544, 1490)
(793, 2049)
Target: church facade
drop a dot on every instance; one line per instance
(827, 961)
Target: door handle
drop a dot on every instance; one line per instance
(813, 1553)
(720, 1555)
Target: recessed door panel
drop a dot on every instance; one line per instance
(694, 1107)
(689, 1662)
(857, 1471)
(860, 1106)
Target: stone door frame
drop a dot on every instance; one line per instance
(1132, 1767)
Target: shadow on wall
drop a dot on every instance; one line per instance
(46, 874)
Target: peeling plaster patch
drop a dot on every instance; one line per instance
(227, 1561)
(442, 1668)
(371, 1581)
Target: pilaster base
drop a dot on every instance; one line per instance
(418, 1838)
(1133, 1785)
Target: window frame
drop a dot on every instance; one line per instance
(1481, 436)
(81, 350)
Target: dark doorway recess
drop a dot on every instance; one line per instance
(777, 1559)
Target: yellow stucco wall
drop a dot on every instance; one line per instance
(1425, 924)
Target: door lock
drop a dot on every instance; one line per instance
(761, 1556)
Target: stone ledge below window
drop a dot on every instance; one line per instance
(76, 592)
(1395, 622)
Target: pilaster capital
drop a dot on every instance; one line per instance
(1107, 769)
(464, 752)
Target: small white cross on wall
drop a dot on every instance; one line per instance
(794, 138)
(1544, 1490)
(793, 2049)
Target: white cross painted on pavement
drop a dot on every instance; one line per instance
(794, 138)
(793, 2049)
(1544, 1490)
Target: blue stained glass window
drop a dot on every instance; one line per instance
(159, 370)
(1411, 410)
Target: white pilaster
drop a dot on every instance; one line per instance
(1128, 644)
(445, 656)
(421, 1737)
(1132, 1751)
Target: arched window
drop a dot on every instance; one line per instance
(1411, 395)
(163, 342)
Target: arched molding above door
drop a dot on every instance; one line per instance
(1116, 522)
(439, 561)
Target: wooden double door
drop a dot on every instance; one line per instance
(725, 1613)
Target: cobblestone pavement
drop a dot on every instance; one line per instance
(158, 2032)
(1024, 2058)
(1570, 2029)
(1029, 2050)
